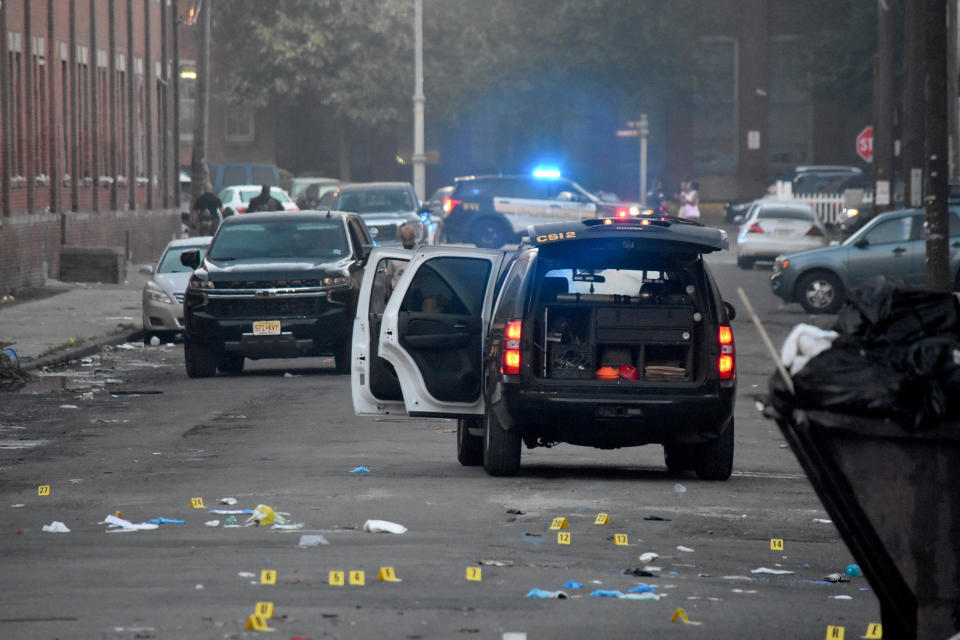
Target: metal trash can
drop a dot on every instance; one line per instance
(894, 495)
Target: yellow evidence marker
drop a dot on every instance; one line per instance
(563, 537)
(43, 490)
(357, 578)
(265, 610)
(256, 622)
(558, 523)
(387, 574)
(776, 544)
(681, 615)
(268, 576)
(874, 631)
(197, 503)
(475, 574)
(602, 518)
(834, 632)
(620, 539)
(336, 579)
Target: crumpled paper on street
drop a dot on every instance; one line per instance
(56, 527)
(383, 526)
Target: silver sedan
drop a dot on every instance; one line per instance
(163, 293)
(773, 227)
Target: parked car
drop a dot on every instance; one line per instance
(891, 245)
(274, 285)
(230, 174)
(306, 192)
(163, 293)
(238, 197)
(385, 207)
(490, 211)
(601, 332)
(774, 227)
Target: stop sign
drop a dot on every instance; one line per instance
(865, 144)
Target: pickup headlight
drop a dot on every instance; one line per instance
(197, 283)
(335, 281)
(155, 294)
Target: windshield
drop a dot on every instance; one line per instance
(376, 201)
(170, 262)
(622, 282)
(313, 239)
(246, 195)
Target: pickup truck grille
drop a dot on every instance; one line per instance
(266, 284)
(263, 307)
(385, 232)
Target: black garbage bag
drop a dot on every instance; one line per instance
(882, 311)
(898, 357)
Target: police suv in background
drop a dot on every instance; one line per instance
(490, 211)
(602, 333)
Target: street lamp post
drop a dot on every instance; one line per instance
(419, 159)
(644, 133)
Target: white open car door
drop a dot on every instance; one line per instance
(373, 382)
(433, 329)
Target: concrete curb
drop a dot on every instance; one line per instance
(89, 347)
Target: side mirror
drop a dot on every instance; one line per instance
(731, 310)
(228, 211)
(861, 243)
(190, 258)
(146, 269)
(365, 252)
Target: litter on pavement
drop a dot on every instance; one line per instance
(229, 501)
(383, 526)
(773, 572)
(264, 515)
(684, 549)
(56, 527)
(360, 470)
(544, 594)
(642, 588)
(606, 593)
(118, 524)
(212, 523)
(571, 584)
(165, 521)
(312, 540)
(649, 556)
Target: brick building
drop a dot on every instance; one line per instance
(88, 132)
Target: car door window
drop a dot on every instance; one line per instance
(447, 286)
(895, 230)
(954, 223)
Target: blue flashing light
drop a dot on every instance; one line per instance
(546, 172)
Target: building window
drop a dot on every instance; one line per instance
(715, 122)
(790, 110)
(239, 124)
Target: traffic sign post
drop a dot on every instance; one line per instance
(865, 144)
(639, 129)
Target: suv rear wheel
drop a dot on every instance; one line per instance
(714, 460)
(501, 448)
(200, 360)
(745, 263)
(469, 447)
(489, 233)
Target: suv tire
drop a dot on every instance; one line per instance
(200, 360)
(714, 460)
(341, 358)
(679, 457)
(745, 263)
(469, 447)
(501, 448)
(230, 363)
(820, 292)
(489, 233)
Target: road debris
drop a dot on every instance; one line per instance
(383, 526)
(56, 527)
(546, 595)
(360, 470)
(312, 540)
(773, 572)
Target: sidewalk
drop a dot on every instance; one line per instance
(78, 319)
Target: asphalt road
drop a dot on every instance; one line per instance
(283, 434)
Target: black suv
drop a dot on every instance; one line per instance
(490, 211)
(274, 285)
(604, 333)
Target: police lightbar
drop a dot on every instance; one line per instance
(546, 172)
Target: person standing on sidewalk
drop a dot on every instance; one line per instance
(689, 200)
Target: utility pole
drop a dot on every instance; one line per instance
(936, 147)
(644, 133)
(419, 158)
(199, 174)
(883, 109)
(953, 91)
(911, 147)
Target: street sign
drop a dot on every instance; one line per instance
(628, 133)
(865, 144)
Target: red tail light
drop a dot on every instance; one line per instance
(726, 363)
(449, 204)
(511, 348)
(755, 228)
(623, 212)
(241, 209)
(815, 231)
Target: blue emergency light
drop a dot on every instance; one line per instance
(546, 172)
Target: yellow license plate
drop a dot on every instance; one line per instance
(266, 328)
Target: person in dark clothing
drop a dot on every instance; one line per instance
(206, 210)
(264, 202)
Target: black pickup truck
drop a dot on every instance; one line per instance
(274, 285)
